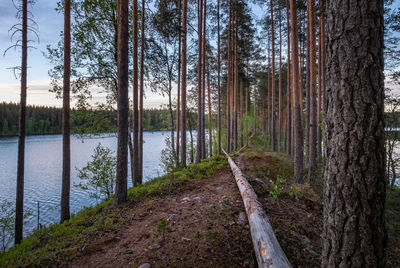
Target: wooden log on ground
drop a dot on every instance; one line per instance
(266, 247)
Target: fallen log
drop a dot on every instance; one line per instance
(266, 247)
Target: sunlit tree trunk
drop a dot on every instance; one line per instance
(354, 192)
(66, 169)
(123, 104)
(19, 210)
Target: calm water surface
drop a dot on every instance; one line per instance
(43, 163)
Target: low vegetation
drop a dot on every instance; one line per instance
(62, 241)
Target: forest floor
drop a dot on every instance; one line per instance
(196, 222)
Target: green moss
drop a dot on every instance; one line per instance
(60, 242)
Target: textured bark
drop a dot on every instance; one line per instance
(123, 104)
(183, 88)
(354, 193)
(141, 92)
(135, 127)
(199, 81)
(219, 82)
(19, 209)
(312, 90)
(298, 128)
(235, 84)
(66, 166)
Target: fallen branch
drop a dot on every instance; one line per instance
(266, 247)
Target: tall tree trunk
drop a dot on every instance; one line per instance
(280, 118)
(307, 89)
(183, 88)
(19, 209)
(228, 87)
(203, 96)
(235, 85)
(66, 167)
(273, 116)
(178, 99)
(313, 92)
(321, 75)
(209, 115)
(355, 186)
(135, 176)
(289, 88)
(219, 82)
(199, 81)
(141, 92)
(123, 104)
(298, 132)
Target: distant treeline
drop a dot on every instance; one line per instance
(48, 120)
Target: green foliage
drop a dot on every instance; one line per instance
(7, 216)
(277, 188)
(7, 212)
(176, 180)
(169, 160)
(98, 175)
(163, 227)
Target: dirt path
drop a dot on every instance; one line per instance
(203, 226)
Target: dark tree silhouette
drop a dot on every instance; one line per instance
(66, 166)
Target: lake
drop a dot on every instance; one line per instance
(43, 164)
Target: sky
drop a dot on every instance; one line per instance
(50, 25)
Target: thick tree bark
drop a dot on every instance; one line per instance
(66, 167)
(123, 104)
(312, 90)
(354, 193)
(141, 92)
(19, 209)
(298, 128)
(183, 88)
